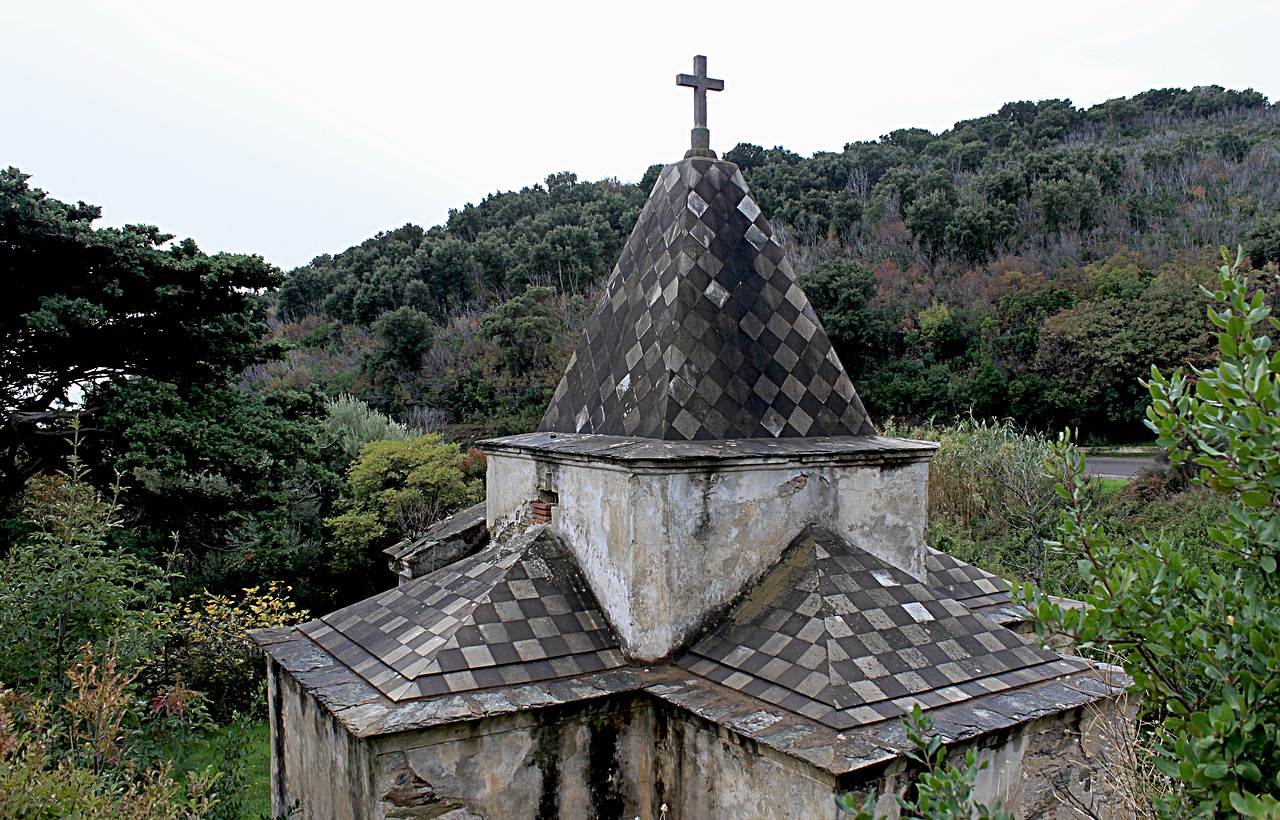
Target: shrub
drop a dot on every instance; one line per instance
(80, 757)
(944, 791)
(64, 586)
(209, 646)
(1202, 644)
(351, 424)
(992, 479)
(397, 490)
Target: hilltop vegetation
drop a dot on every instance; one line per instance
(1030, 264)
(1016, 264)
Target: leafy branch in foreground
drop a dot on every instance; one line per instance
(944, 791)
(1202, 646)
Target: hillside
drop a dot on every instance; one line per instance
(179, 465)
(1030, 263)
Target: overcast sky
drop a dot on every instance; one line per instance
(291, 129)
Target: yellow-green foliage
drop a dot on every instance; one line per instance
(210, 645)
(944, 789)
(397, 489)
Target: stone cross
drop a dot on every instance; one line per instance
(701, 84)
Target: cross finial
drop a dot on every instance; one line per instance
(701, 84)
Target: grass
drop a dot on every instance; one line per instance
(1122, 450)
(1110, 486)
(209, 751)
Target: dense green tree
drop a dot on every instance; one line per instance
(1091, 351)
(1007, 186)
(1233, 146)
(404, 335)
(894, 193)
(1068, 203)
(844, 293)
(913, 140)
(975, 231)
(525, 329)
(451, 272)
(1263, 241)
(87, 307)
(397, 489)
(236, 478)
(1053, 118)
(928, 218)
(65, 586)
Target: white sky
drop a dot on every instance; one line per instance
(291, 129)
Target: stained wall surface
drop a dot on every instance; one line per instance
(623, 757)
(315, 763)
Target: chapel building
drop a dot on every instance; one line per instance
(700, 590)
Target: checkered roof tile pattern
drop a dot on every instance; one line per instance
(966, 583)
(702, 332)
(514, 613)
(836, 635)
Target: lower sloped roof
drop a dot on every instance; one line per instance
(975, 588)
(839, 636)
(831, 634)
(514, 613)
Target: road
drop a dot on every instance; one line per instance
(1117, 466)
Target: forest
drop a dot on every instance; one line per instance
(986, 268)
(194, 445)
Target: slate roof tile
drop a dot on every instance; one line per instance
(515, 612)
(874, 638)
(701, 332)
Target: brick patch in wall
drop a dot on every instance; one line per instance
(541, 511)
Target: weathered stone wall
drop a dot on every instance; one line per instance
(881, 510)
(610, 760)
(1053, 762)
(1039, 770)
(704, 770)
(510, 486)
(665, 549)
(628, 757)
(585, 761)
(315, 762)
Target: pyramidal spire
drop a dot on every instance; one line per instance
(702, 332)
